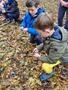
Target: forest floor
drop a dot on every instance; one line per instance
(18, 69)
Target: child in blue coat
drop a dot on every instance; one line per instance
(34, 10)
(11, 10)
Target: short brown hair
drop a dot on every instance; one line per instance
(30, 3)
(44, 21)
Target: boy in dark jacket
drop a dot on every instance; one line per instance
(55, 42)
(28, 22)
(11, 10)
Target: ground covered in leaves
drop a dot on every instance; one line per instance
(18, 69)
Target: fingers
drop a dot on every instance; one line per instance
(35, 50)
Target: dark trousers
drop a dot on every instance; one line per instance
(61, 12)
(11, 16)
(36, 39)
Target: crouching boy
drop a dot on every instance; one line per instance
(55, 45)
(34, 10)
(55, 40)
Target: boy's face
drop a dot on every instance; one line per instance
(46, 32)
(33, 10)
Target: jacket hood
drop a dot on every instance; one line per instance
(57, 33)
(60, 33)
(40, 10)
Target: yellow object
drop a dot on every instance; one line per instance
(49, 67)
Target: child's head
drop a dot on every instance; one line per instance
(44, 24)
(32, 6)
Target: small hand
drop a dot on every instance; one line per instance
(35, 50)
(25, 29)
(37, 55)
(21, 28)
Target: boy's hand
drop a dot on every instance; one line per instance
(37, 55)
(35, 50)
(25, 29)
(21, 28)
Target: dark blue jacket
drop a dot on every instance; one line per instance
(11, 7)
(57, 34)
(28, 21)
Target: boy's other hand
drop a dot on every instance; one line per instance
(21, 28)
(35, 50)
(25, 29)
(37, 55)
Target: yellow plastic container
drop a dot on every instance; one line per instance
(48, 68)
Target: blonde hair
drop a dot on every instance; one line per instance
(44, 21)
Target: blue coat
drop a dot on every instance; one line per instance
(28, 21)
(11, 7)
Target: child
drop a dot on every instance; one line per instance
(34, 10)
(55, 40)
(63, 8)
(55, 45)
(11, 10)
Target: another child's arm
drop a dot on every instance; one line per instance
(63, 3)
(24, 22)
(32, 31)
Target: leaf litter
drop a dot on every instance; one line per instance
(18, 69)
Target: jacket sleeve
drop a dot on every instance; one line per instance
(32, 31)
(56, 52)
(24, 23)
